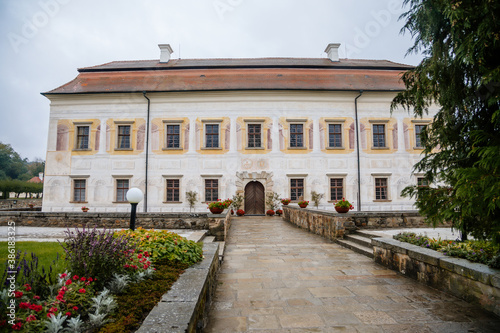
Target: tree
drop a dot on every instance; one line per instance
(11, 164)
(460, 72)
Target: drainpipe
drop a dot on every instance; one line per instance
(357, 148)
(147, 156)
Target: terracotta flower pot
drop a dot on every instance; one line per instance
(342, 210)
(302, 206)
(216, 210)
(285, 204)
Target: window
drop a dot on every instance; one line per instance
(379, 136)
(211, 189)
(296, 135)
(211, 135)
(82, 137)
(254, 136)
(336, 188)
(296, 189)
(173, 139)
(418, 131)
(335, 135)
(422, 182)
(79, 186)
(172, 190)
(381, 189)
(123, 137)
(122, 186)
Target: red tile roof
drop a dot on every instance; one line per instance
(236, 74)
(35, 180)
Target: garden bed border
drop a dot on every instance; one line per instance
(184, 307)
(473, 282)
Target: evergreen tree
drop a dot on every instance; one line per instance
(460, 41)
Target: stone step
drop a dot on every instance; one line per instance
(368, 234)
(209, 239)
(367, 251)
(359, 239)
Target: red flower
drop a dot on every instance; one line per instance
(68, 314)
(36, 308)
(139, 256)
(53, 309)
(50, 314)
(18, 294)
(30, 318)
(17, 327)
(60, 297)
(27, 286)
(81, 291)
(75, 308)
(75, 277)
(64, 288)
(24, 305)
(69, 282)
(90, 279)
(83, 279)
(36, 297)
(63, 275)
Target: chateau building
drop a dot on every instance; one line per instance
(225, 126)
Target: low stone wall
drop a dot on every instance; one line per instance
(332, 225)
(216, 224)
(8, 204)
(474, 283)
(184, 307)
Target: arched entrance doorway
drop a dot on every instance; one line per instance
(254, 198)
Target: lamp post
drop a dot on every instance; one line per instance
(134, 196)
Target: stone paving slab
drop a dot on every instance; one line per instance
(278, 278)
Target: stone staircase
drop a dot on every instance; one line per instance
(358, 241)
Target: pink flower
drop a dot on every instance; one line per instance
(30, 318)
(36, 297)
(53, 309)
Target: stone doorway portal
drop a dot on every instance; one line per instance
(254, 198)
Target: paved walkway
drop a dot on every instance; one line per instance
(277, 278)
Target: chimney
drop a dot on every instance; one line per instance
(333, 51)
(165, 52)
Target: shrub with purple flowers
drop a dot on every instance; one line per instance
(97, 253)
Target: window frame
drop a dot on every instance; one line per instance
(165, 180)
(205, 188)
(291, 177)
(303, 123)
(418, 122)
(253, 122)
(387, 178)
(77, 136)
(334, 123)
(75, 179)
(117, 178)
(167, 123)
(119, 124)
(379, 122)
(211, 122)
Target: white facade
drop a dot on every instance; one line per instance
(233, 164)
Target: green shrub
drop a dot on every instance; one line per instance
(165, 245)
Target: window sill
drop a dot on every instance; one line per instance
(79, 202)
(297, 148)
(418, 148)
(77, 149)
(380, 148)
(335, 148)
(120, 202)
(172, 202)
(382, 200)
(211, 148)
(333, 201)
(179, 148)
(254, 148)
(123, 149)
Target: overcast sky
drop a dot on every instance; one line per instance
(43, 42)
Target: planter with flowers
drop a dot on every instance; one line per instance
(270, 212)
(343, 206)
(240, 212)
(285, 202)
(279, 212)
(303, 203)
(217, 207)
(85, 209)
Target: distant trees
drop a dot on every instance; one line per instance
(16, 171)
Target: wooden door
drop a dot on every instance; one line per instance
(254, 199)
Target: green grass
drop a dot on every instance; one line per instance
(45, 251)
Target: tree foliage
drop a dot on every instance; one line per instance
(460, 41)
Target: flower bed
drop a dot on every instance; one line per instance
(474, 250)
(103, 265)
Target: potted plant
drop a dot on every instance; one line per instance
(285, 201)
(237, 201)
(303, 203)
(31, 205)
(343, 206)
(240, 212)
(85, 209)
(316, 198)
(279, 212)
(270, 212)
(191, 198)
(217, 207)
